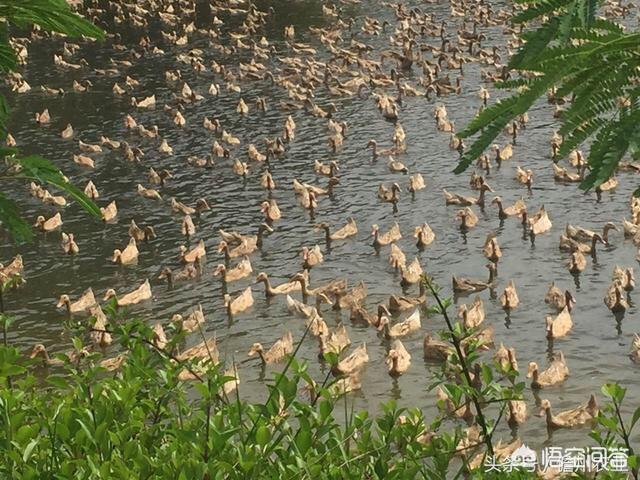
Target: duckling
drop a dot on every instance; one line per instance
(49, 224)
(559, 326)
(509, 298)
(89, 148)
(570, 418)
(141, 234)
(82, 305)
(348, 230)
(194, 320)
(398, 359)
(557, 299)
(69, 244)
(127, 256)
(353, 362)
(241, 270)
(110, 212)
(189, 272)
(491, 249)
(473, 315)
(67, 133)
(242, 302)
(625, 277)
(149, 193)
(84, 161)
(577, 263)
(614, 298)
(461, 284)
(270, 210)
(311, 257)
(424, 235)
(468, 219)
(278, 351)
(43, 118)
(393, 235)
(435, 349)
(140, 294)
(556, 373)
(416, 182)
(409, 325)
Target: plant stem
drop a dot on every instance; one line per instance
(625, 436)
(465, 370)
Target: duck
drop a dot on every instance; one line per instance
(570, 418)
(241, 270)
(282, 289)
(205, 350)
(353, 362)
(509, 298)
(398, 359)
(355, 296)
(556, 373)
(634, 355)
(189, 272)
(625, 277)
(396, 165)
(193, 255)
(242, 302)
(82, 305)
(557, 299)
(348, 230)
(491, 249)
(149, 193)
(615, 299)
(91, 191)
(424, 235)
(328, 170)
(472, 315)
(311, 257)
(569, 244)
(270, 210)
(506, 359)
(397, 258)
(389, 194)
(278, 351)
(514, 210)
(67, 133)
(359, 314)
(49, 224)
(194, 320)
(583, 235)
(127, 256)
(455, 199)
(416, 182)
(409, 325)
(84, 161)
(461, 284)
(517, 414)
(69, 244)
(525, 177)
(334, 341)
(249, 241)
(577, 263)
(159, 178)
(411, 273)
(376, 152)
(435, 349)
(44, 117)
(39, 350)
(140, 294)
(110, 212)
(539, 223)
(187, 227)
(561, 174)
(306, 311)
(141, 234)
(468, 219)
(393, 235)
(559, 326)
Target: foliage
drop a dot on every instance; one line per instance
(53, 16)
(576, 54)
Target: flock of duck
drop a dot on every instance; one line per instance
(426, 58)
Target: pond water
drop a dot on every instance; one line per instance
(596, 350)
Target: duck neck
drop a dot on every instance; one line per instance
(262, 359)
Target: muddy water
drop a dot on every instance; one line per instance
(596, 350)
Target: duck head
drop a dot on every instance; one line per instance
(64, 300)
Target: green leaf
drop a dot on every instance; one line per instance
(303, 439)
(12, 221)
(635, 418)
(8, 59)
(263, 435)
(29, 449)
